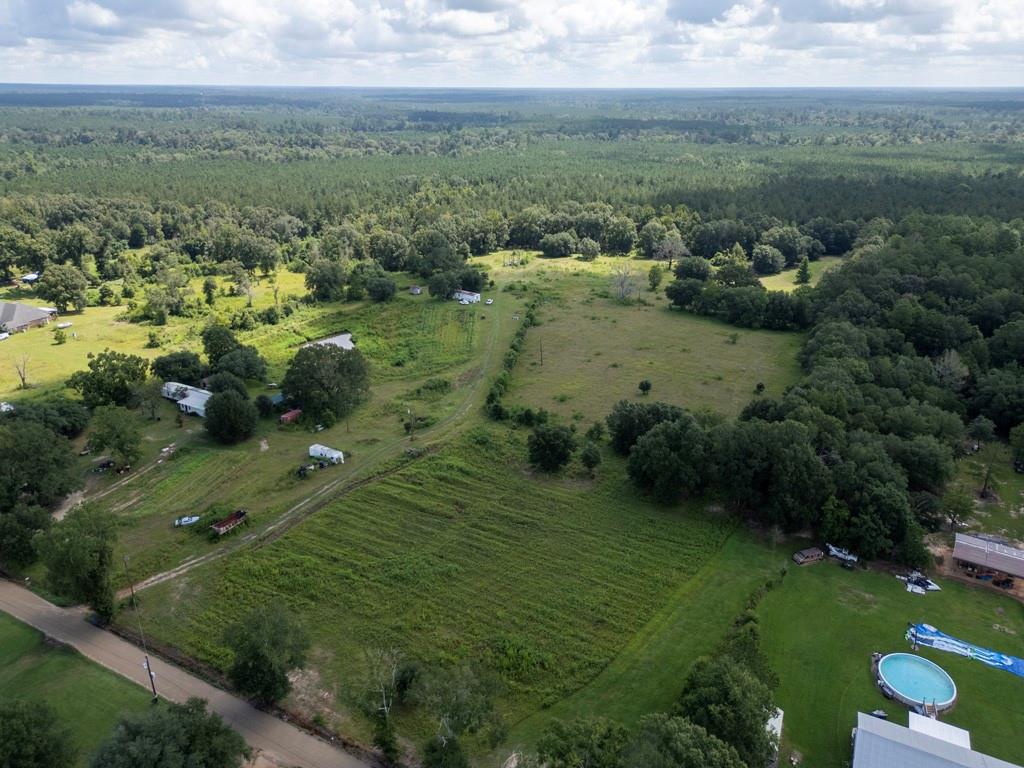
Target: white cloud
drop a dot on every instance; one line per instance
(502, 42)
(91, 16)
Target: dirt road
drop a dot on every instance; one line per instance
(286, 743)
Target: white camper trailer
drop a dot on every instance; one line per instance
(318, 451)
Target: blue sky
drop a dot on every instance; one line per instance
(534, 43)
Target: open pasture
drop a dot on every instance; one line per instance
(592, 350)
(785, 280)
(87, 698)
(820, 627)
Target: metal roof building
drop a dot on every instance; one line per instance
(989, 554)
(16, 317)
(882, 744)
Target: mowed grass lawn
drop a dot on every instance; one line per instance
(821, 626)
(465, 554)
(591, 350)
(786, 280)
(49, 364)
(87, 698)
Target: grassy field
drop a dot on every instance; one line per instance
(784, 281)
(592, 350)
(1003, 514)
(463, 555)
(88, 699)
(410, 337)
(50, 364)
(259, 474)
(646, 675)
(407, 342)
(821, 626)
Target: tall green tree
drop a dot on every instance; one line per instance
(803, 272)
(731, 704)
(218, 340)
(671, 458)
(111, 379)
(675, 742)
(115, 429)
(173, 736)
(551, 447)
(325, 280)
(36, 465)
(31, 736)
(230, 418)
(327, 381)
(182, 367)
(63, 286)
(267, 644)
(586, 742)
(79, 555)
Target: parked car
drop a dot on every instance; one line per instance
(489, 301)
(186, 520)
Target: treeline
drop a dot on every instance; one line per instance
(916, 343)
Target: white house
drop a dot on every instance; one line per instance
(926, 743)
(189, 399)
(461, 295)
(317, 451)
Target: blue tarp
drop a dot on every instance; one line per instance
(927, 635)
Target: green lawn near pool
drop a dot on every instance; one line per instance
(820, 627)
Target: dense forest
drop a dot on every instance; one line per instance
(116, 195)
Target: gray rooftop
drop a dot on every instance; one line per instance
(881, 744)
(14, 315)
(989, 554)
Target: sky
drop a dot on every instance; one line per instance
(498, 43)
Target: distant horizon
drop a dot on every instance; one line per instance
(564, 44)
(541, 88)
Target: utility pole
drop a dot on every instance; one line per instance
(412, 424)
(142, 635)
(542, 353)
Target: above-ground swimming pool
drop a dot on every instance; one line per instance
(914, 680)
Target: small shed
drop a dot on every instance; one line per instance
(290, 417)
(317, 451)
(809, 555)
(415, 290)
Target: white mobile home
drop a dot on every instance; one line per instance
(189, 399)
(318, 451)
(461, 295)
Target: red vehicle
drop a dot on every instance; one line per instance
(230, 522)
